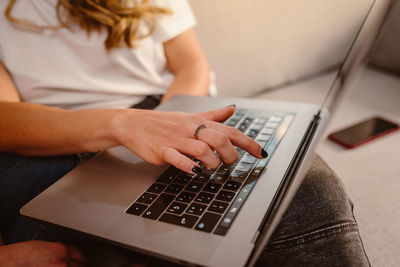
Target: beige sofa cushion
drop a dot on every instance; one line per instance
(253, 45)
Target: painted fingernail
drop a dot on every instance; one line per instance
(196, 169)
(264, 153)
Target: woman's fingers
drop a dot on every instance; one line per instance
(239, 139)
(235, 136)
(219, 115)
(220, 143)
(199, 150)
(180, 161)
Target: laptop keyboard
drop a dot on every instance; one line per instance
(210, 201)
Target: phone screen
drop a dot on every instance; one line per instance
(362, 132)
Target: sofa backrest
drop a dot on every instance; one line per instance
(259, 44)
(387, 55)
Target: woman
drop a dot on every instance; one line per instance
(71, 69)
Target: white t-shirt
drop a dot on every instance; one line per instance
(71, 69)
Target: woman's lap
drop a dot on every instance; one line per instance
(318, 227)
(21, 179)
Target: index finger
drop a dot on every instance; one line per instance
(240, 139)
(219, 115)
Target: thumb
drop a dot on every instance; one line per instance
(219, 115)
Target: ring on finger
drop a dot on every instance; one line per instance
(198, 129)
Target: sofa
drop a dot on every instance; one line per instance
(286, 50)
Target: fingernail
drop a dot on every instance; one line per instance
(233, 105)
(264, 153)
(196, 169)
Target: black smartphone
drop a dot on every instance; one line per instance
(363, 132)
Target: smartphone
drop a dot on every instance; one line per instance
(363, 132)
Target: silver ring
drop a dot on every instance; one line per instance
(198, 129)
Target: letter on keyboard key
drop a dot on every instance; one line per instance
(168, 175)
(156, 188)
(218, 206)
(212, 187)
(147, 198)
(225, 195)
(194, 187)
(185, 220)
(136, 209)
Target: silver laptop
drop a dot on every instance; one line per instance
(221, 217)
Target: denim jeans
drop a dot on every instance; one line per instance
(318, 229)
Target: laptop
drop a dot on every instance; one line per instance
(221, 217)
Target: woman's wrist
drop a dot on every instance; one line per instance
(102, 128)
(118, 124)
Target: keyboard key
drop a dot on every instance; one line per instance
(262, 143)
(147, 198)
(233, 186)
(240, 112)
(242, 127)
(161, 203)
(167, 176)
(224, 169)
(204, 197)
(244, 167)
(268, 131)
(247, 121)
(261, 120)
(218, 206)
(201, 178)
(174, 189)
(275, 119)
(196, 209)
(259, 167)
(177, 208)
(207, 222)
(257, 126)
(248, 158)
(136, 209)
(212, 187)
(183, 178)
(252, 133)
(263, 138)
(232, 122)
(184, 220)
(186, 197)
(156, 188)
(220, 179)
(194, 187)
(241, 152)
(271, 124)
(225, 195)
(238, 176)
(208, 171)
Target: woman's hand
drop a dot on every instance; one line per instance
(40, 253)
(167, 137)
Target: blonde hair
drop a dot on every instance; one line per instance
(119, 19)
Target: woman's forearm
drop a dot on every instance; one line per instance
(191, 80)
(33, 129)
(186, 60)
